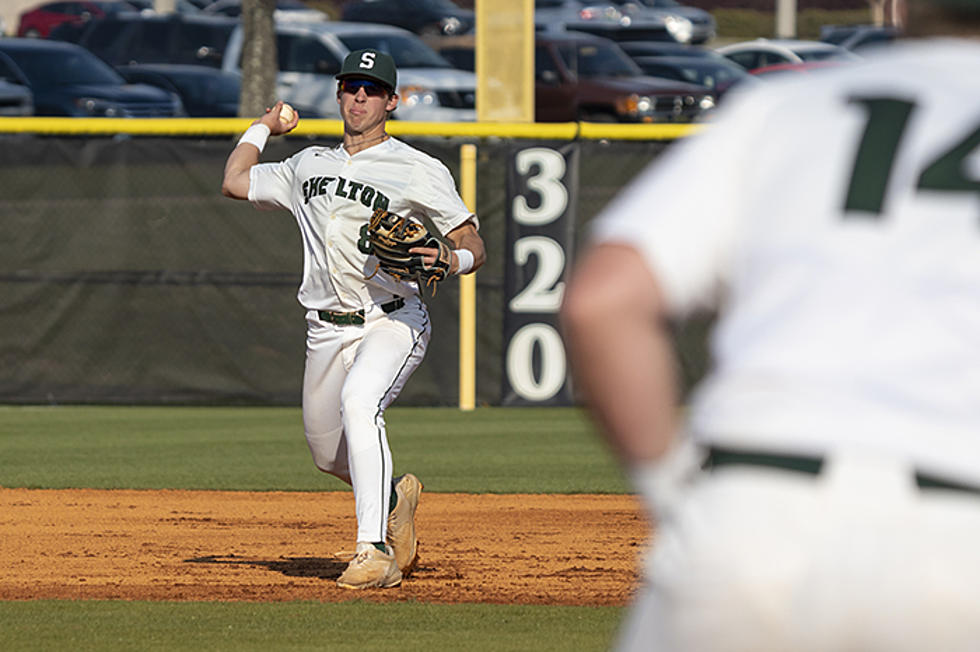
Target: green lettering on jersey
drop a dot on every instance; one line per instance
(314, 187)
(367, 196)
(339, 190)
(948, 172)
(873, 164)
(886, 124)
(364, 242)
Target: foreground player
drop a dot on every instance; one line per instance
(366, 332)
(834, 224)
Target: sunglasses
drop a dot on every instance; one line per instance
(371, 89)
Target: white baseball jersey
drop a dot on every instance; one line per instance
(332, 195)
(845, 258)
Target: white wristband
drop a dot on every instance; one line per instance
(465, 257)
(256, 135)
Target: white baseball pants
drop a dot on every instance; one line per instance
(354, 372)
(857, 558)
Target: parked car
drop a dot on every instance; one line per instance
(180, 6)
(717, 76)
(40, 20)
(205, 92)
(666, 49)
(583, 77)
(311, 54)
(424, 17)
(170, 38)
(285, 10)
(460, 53)
(68, 80)
(16, 97)
(781, 69)
(599, 19)
(764, 52)
(859, 37)
(686, 24)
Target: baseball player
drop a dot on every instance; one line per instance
(366, 330)
(824, 490)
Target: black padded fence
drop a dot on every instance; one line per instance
(125, 276)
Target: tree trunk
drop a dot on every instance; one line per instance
(259, 58)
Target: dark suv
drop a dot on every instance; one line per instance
(68, 80)
(588, 78)
(425, 17)
(130, 38)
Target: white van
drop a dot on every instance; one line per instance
(311, 53)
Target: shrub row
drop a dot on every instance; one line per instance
(770, 5)
(741, 24)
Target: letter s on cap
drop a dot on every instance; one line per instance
(367, 60)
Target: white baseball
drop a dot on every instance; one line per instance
(286, 114)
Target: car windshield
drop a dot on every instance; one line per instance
(710, 75)
(819, 55)
(407, 52)
(837, 36)
(62, 68)
(206, 89)
(599, 60)
(441, 5)
(115, 7)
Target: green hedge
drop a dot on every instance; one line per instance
(743, 24)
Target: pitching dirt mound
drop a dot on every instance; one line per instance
(211, 545)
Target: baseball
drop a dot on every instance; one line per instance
(287, 113)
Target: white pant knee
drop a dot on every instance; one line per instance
(329, 451)
(362, 418)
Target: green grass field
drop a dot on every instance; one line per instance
(489, 450)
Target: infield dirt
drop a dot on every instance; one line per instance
(278, 546)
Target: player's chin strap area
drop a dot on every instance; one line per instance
(356, 317)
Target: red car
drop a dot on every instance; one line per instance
(804, 67)
(580, 77)
(39, 21)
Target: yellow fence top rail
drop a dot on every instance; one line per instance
(235, 126)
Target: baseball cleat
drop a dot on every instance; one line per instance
(370, 569)
(401, 522)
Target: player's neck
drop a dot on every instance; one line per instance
(355, 143)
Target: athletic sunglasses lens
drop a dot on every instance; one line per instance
(371, 89)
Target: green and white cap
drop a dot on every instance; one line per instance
(370, 64)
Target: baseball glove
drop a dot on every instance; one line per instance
(391, 236)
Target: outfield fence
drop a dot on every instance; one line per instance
(127, 278)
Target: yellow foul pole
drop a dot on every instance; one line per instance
(467, 292)
(504, 93)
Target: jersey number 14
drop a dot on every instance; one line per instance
(887, 120)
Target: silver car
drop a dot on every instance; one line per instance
(600, 18)
(760, 53)
(685, 24)
(311, 54)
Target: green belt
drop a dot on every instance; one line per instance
(808, 465)
(357, 317)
